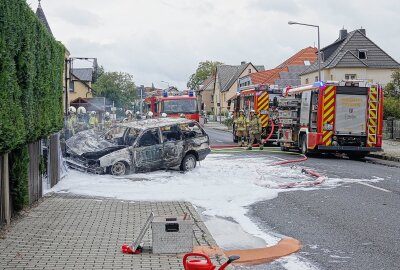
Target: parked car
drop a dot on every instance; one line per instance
(139, 146)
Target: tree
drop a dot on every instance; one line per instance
(392, 89)
(204, 70)
(116, 86)
(391, 106)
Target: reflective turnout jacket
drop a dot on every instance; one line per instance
(241, 123)
(255, 125)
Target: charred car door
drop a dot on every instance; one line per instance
(173, 145)
(148, 151)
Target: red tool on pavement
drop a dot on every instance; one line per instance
(204, 264)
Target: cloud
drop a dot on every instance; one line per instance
(163, 40)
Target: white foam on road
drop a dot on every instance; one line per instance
(224, 186)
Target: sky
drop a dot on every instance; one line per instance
(163, 41)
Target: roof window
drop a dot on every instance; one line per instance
(362, 54)
(307, 62)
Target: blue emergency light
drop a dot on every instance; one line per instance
(319, 83)
(190, 93)
(165, 93)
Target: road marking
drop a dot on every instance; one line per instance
(378, 188)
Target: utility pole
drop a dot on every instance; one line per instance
(141, 99)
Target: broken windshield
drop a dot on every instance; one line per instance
(174, 106)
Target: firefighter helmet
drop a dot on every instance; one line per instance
(164, 115)
(107, 114)
(252, 111)
(128, 112)
(150, 114)
(93, 113)
(81, 110)
(241, 111)
(72, 109)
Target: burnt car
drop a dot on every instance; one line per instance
(139, 146)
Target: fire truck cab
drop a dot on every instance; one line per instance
(263, 99)
(344, 117)
(174, 106)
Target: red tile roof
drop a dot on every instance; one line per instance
(271, 75)
(298, 59)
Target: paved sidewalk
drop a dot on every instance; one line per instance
(75, 232)
(391, 151)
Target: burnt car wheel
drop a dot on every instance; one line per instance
(188, 163)
(119, 168)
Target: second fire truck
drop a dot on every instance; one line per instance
(344, 117)
(262, 98)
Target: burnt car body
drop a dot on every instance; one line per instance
(139, 146)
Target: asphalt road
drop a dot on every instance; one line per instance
(354, 225)
(219, 137)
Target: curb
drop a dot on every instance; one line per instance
(383, 157)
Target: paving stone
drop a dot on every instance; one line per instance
(75, 232)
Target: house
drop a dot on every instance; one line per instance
(352, 56)
(80, 84)
(284, 74)
(206, 94)
(226, 83)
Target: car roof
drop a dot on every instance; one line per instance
(157, 122)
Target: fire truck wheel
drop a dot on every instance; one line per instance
(304, 149)
(235, 138)
(357, 156)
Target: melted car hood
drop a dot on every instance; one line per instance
(87, 141)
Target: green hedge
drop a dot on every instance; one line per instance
(31, 77)
(19, 161)
(391, 107)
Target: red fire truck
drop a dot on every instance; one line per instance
(174, 106)
(344, 117)
(263, 99)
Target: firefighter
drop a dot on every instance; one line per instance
(181, 115)
(129, 116)
(81, 121)
(72, 121)
(107, 120)
(149, 115)
(255, 130)
(241, 124)
(93, 122)
(138, 116)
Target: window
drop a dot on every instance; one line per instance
(307, 62)
(249, 70)
(331, 77)
(149, 138)
(306, 80)
(212, 98)
(350, 76)
(171, 133)
(316, 79)
(72, 86)
(362, 54)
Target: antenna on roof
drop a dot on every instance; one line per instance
(39, 2)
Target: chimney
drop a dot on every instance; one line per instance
(342, 34)
(362, 30)
(243, 63)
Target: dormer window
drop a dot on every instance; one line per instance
(362, 54)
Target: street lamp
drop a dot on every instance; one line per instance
(166, 83)
(319, 56)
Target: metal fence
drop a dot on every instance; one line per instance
(391, 129)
